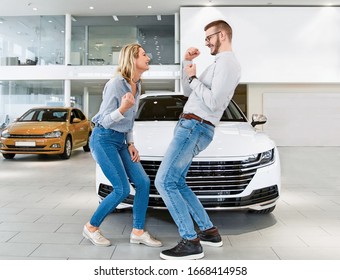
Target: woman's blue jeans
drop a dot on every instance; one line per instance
(110, 151)
(190, 138)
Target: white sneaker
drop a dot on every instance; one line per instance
(145, 239)
(96, 237)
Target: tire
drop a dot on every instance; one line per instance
(67, 149)
(86, 148)
(8, 156)
(263, 211)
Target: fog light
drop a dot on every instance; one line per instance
(55, 146)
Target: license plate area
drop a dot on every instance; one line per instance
(25, 144)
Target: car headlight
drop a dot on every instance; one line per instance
(53, 134)
(5, 134)
(267, 157)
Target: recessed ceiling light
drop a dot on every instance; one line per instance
(35, 9)
(159, 17)
(149, 7)
(91, 8)
(115, 18)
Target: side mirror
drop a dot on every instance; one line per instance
(258, 119)
(76, 120)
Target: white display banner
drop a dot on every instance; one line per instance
(273, 44)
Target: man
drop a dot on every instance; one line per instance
(208, 97)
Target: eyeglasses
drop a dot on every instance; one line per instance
(207, 39)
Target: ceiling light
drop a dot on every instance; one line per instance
(149, 7)
(115, 18)
(159, 17)
(35, 9)
(91, 8)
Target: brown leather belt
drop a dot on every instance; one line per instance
(194, 117)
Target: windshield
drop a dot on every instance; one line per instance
(169, 108)
(45, 115)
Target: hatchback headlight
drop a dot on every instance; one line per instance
(53, 134)
(5, 134)
(267, 157)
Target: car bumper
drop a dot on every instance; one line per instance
(32, 146)
(259, 191)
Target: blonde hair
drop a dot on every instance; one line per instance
(126, 62)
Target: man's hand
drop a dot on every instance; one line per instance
(127, 102)
(191, 53)
(190, 70)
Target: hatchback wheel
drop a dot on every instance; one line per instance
(8, 156)
(86, 148)
(67, 148)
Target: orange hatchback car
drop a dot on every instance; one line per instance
(46, 130)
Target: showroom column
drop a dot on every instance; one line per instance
(67, 83)
(86, 101)
(177, 52)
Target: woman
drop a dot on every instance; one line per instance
(113, 149)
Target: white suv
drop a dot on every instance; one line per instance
(240, 169)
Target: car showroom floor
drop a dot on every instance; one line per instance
(45, 201)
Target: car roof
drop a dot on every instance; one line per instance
(52, 108)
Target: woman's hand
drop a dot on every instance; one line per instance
(128, 100)
(134, 153)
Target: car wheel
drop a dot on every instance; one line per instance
(67, 148)
(86, 148)
(8, 156)
(263, 211)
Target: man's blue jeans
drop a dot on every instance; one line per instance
(110, 151)
(190, 138)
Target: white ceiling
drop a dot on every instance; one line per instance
(133, 7)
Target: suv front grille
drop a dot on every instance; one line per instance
(211, 181)
(211, 178)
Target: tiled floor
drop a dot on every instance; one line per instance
(44, 203)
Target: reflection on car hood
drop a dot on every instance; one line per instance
(34, 127)
(230, 139)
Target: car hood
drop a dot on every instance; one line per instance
(34, 127)
(230, 139)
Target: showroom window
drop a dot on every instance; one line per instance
(32, 40)
(16, 97)
(98, 40)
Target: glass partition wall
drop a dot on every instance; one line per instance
(32, 40)
(98, 40)
(40, 41)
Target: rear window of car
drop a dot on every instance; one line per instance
(169, 108)
(48, 115)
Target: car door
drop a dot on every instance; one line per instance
(80, 129)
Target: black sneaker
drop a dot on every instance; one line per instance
(211, 237)
(185, 250)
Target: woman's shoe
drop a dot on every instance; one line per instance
(96, 237)
(145, 239)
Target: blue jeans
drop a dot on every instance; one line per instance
(109, 149)
(190, 138)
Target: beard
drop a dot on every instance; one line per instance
(216, 48)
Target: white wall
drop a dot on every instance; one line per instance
(273, 44)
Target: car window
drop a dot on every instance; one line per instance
(80, 114)
(169, 108)
(48, 115)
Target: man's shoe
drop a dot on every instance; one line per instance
(96, 237)
(145, 239)
(185, 250)
(211, 237)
